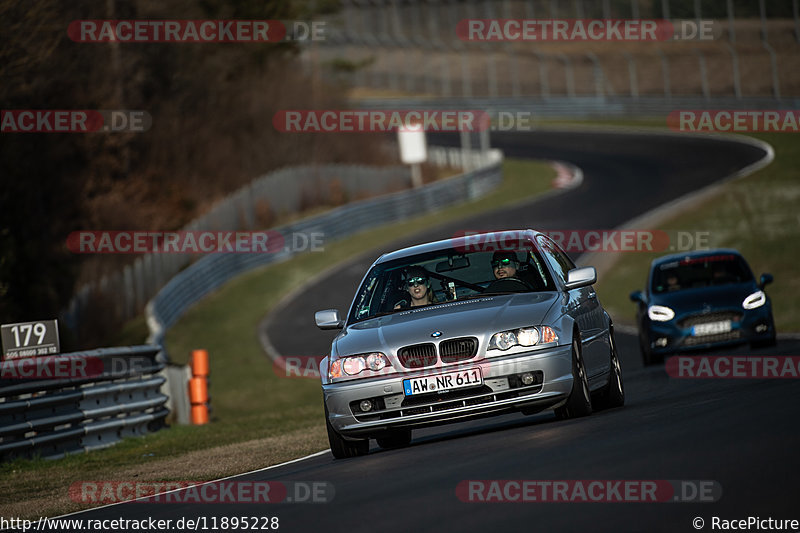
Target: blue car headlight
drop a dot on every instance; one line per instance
(755, 300)
(660, 313)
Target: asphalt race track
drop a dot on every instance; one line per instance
(742, 434)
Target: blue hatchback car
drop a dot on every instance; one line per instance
(700, 300)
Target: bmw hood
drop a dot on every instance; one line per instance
(460, 318)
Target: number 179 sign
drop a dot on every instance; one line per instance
(29, 339)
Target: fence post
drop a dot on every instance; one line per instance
(737, 85)
(731, 27)
(634, 80)
(665, 73)
(703, 73)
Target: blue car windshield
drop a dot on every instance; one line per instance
(694, 272)
(446, 275)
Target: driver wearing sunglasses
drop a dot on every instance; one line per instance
(504, 265)
(418, 286)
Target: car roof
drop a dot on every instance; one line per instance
(697, 254)
(461, 241)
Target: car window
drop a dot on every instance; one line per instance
(448, 275)
(694, 272)
(559, 261)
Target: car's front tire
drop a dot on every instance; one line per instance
(613, 394)
(579, 402)
(341, 448)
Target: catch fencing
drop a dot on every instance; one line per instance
(413, 48)
(120, 396)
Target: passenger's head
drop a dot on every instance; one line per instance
(504, 264)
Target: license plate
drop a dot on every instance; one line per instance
(712, 328)
(443, 382)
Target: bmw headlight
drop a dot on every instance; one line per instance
(355, 364)
(755, 300)
(522, 337)
(660, 313)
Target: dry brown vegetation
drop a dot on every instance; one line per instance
(212, 107)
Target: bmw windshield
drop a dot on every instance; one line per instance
(447, 275)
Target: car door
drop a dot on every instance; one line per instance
(582, 304)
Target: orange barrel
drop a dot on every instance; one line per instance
(199, 362)
(199, 414)
(198, 390)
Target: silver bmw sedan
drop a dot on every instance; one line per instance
(473, 326)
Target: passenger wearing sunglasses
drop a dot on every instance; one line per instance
(418, 285)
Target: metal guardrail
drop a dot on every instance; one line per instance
(210, 272)
(53, 417)
(124, 293)
(581, 107)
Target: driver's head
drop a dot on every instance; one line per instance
(504, 264)
(415, 277)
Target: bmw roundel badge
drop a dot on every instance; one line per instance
(436, 334)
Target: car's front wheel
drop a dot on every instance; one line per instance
(613, 394)
(579, 402)
(341, 448)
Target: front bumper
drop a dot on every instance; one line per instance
(668, 337)
(501, 392)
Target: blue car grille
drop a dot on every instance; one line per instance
(705, 318)
(709, 339)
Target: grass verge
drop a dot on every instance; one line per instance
(258, 418)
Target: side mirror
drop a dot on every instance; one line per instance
(765, 280)
(581, 277)
(637, 296)
(328, 319)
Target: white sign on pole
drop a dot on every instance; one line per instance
(413, 148)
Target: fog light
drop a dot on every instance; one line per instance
(365, 405)
(661, 342)
(761, 328)
(527, 378)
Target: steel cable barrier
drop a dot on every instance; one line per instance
(80, 401)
